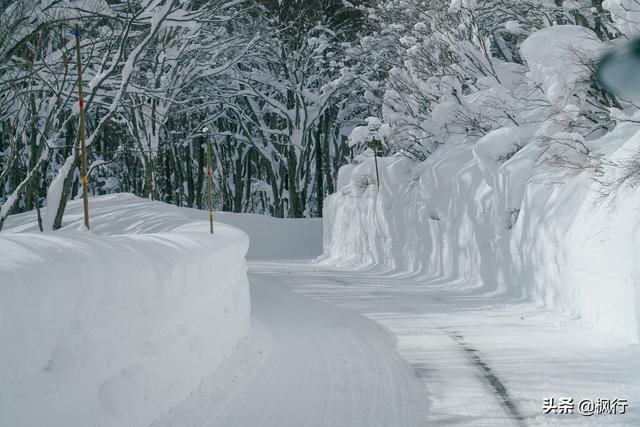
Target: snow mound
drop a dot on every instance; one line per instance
(115, 326)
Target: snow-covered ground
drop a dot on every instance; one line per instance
(325, 343)
(495, 265)
(113, 326)
(334, 346)
(483, 361)
(337, 347)
(275, 238)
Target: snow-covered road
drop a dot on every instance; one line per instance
(321, 365)
(328, 366)
(344, 348)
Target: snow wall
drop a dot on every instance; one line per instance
(113, 330)
(480, 216)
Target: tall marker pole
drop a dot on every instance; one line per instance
(81, 134)
(375, 159)
(209, 177)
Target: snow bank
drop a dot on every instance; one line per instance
(277, 238)
(116, 326)
(490, 216)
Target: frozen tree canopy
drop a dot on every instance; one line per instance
(275, 83)
(289, 90)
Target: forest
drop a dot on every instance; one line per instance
(289, 91)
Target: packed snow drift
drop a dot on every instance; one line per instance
(511, 226)
(532, 208)
(115, 326)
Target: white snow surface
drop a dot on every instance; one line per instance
(318, 364)
(112, 327)
(334, 346)
(556, 56)
(490, 216)
(360, 348)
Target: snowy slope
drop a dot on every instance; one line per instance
(468, 216)
(115, 326)
(277, 238)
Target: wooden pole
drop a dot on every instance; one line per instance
(375, 159)
(81, 133)
(210, 183)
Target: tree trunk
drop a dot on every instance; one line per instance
(248, 207)
(200, 181)
(238, 180)
(295, 205)
(326, 155)
(277, 208)
(319, 177)
(66, 189)
(191, 191)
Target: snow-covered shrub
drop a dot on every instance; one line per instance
(626, 15)
(373, 135)
(558, 59)
(467, 68)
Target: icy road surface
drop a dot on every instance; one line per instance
(321, 365)
(327, 367)
(342, 348)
